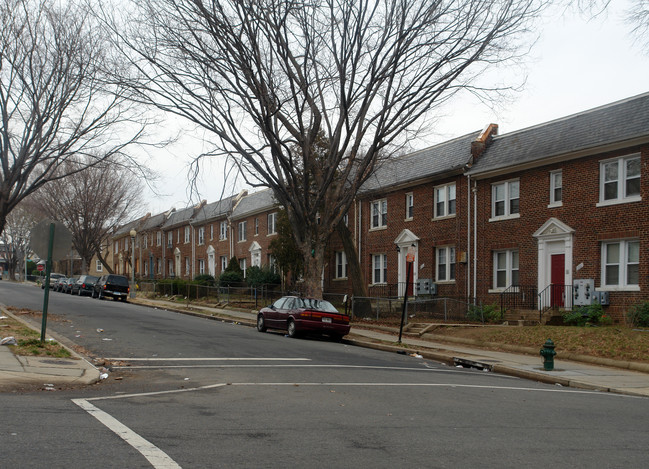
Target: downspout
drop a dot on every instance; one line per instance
(193, 252)
(359, 231)
(468, 236)
(475, 241)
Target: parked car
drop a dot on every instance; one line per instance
(58, 285)
(53, 278)
(114, 286)
(84, 285)
(67, 287)
(297, 315)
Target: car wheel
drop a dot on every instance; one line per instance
(80, 292)
(100, 295)
(292, 329)
(124, 299)
(261, 324)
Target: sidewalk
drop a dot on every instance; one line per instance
(590, 376)
(47, 372)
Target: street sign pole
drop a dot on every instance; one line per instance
(48, 270)
(410, 259)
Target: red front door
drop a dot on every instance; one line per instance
(557, 279)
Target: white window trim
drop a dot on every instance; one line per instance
(223, 231)
(187, 234)
(380, 226)
(449, 258)
(410, 202)
(99, 267)
(243, 232)
(384, 269)
(494, 272)
(623, 266)
(555, 203)
(446, 188)
(621, 181)
(507, 215)
(272, 227)
(345, 265)
(201, 236)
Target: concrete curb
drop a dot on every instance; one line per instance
(90, 373)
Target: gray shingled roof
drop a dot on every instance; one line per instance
(214, 210)
(436, 160)
(606, 125)
(256, 202)
(179, 217)
(154, 221)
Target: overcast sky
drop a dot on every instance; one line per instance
(577, 64)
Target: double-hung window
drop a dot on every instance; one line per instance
(505, 199)
(619, 180)
(410, 206)
(242, 231)
(201, 266)
(201, 235)
(170, 239)
(379, 214)
(556, 188)
(445, 264)
(341, 264)
(505, 269)
(223, 230)
(620, 263)
(445, 201)
(272, 219)
(158, 238)
(187, 234)
(379, 268)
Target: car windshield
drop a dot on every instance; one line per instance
(320, 305)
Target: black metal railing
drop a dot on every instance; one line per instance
(555, 296)
(518, 297)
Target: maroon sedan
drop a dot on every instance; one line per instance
(303, 316)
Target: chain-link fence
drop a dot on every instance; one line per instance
(391, 309)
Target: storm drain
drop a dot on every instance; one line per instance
(465, 363)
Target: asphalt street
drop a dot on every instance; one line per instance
(190, 392)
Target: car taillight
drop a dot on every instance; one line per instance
(104, 287)
(128, 289)
(83, 285)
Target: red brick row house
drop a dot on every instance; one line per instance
(527, 214)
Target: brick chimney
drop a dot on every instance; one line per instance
(479, 145)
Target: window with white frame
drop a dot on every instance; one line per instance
(505, 199)
(211, 232)
(556, 187)
(224, 263)
(620, 263)
(346, 219)
(223, 233)
(171, 267)
(170, 239)
(186, 265)
(505, 269)
(272, 223)
(159, 266)
(201, 266)
(242, 265)
(256, 226)
(116, 246)
(410, 206)
(341, 264)
(201, 235)
(620, 180)
(445, 203)
(178, 236)
(126, 244)
(272, 263)
(379, 268)
(158, 238)
(379, 214)
(145, 239)
(187, 234)
(99, 267)
(445, 264)
(242, 230)
(146, 269)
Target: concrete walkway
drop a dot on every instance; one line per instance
(568, 373)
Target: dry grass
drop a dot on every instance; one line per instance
(618, 343)
(29, 341)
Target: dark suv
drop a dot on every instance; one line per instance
(84, 285)
(114, 286)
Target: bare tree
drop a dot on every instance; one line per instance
(55, 103)
(15, 236)
(91, 203)
(638, 19)
(268, 77)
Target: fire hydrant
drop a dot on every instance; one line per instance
(548, 353)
